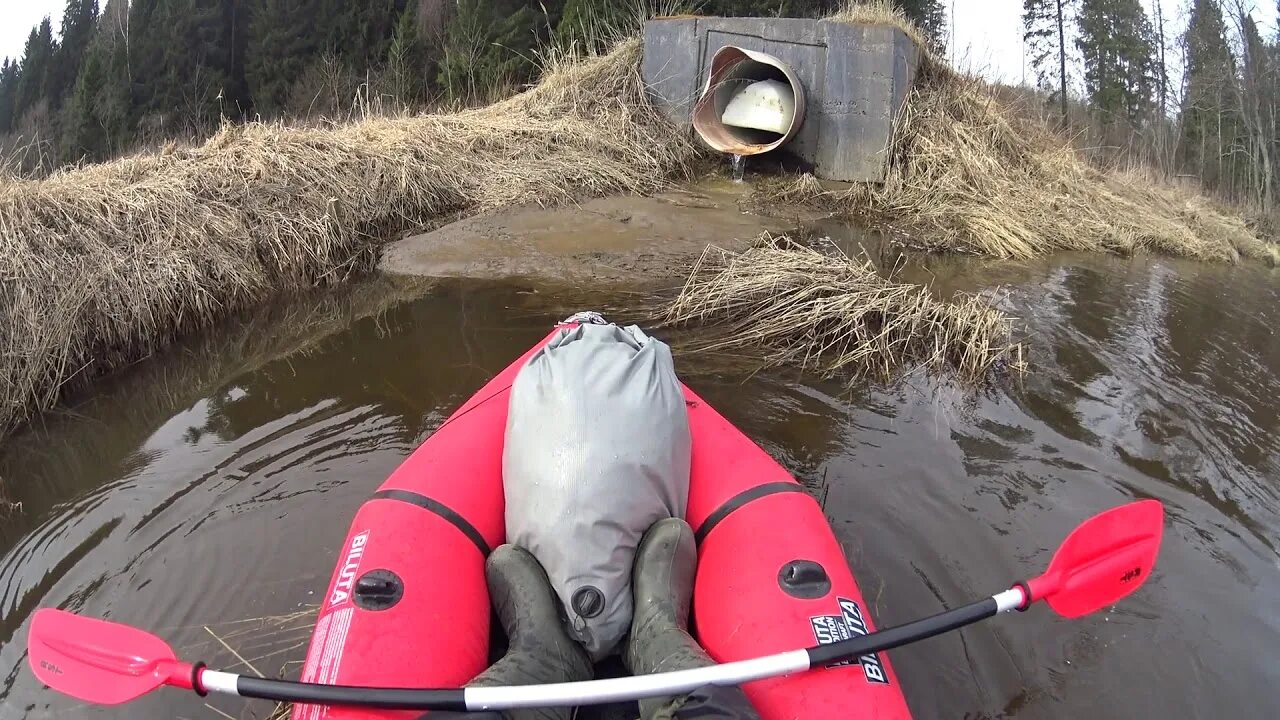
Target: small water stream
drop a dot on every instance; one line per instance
(211, 486)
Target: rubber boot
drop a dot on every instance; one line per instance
(662, 588)
(540, 650)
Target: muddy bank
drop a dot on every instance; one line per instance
(621, 241)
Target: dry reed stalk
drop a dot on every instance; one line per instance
(816, 308)
(270, 638)
(879, 12)
(102, 265)
(967, 173)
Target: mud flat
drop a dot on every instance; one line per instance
(624, 241)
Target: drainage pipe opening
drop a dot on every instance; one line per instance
(752, 103)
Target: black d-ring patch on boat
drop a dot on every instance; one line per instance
(438, 508)
(742, 498)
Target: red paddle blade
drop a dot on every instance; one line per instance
(98, 661)
(1103, 560)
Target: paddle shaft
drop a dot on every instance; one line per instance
(596, 692)
(1103, 560)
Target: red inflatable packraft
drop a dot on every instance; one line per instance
(408, 605)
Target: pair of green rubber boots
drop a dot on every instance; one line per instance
(541, 651)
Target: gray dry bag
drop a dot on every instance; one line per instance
(597, 450)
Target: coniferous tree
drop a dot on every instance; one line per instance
(204, 58)
(96, 117)
(1257, 108)
(929, 16)
(591, 24)
(490, 44)
(285, 36)
(236, 100)
(9, 76)
(1162, 66)
(84, 135)
(183, 63)
(1044, 25)
(112, 100)
(406, 62)
(361, 32)
(1209, 117)
(78, 22)
(1117, 47)
(150, 85)
(37, 57)
(433, 16)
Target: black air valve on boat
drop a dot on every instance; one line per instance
(804, 579)
(378, 590)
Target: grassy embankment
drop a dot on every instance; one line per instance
(970, 174)
(105, 264)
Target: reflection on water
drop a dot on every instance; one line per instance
(214, 484)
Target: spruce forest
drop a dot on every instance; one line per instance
(127, 74)
(1196, 104)
(121, 74)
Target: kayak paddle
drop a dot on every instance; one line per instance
(1103, 560)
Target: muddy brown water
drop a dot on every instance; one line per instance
(206, 492)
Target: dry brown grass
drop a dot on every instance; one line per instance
(968, 173)
(266, 647)
(101, 265)
(816, 308)
(130, 406)
(879, 12)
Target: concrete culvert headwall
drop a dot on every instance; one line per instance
(850, 82)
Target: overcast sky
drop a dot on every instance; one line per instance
(17, 17)
(986, 34)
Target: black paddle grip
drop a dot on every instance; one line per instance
(893, 637)
(380, 698)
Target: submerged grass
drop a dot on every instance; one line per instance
(102, 265)
(255, 645)
(967, 173)
(816, 308)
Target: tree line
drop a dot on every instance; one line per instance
(1216, 126)
(128, 72)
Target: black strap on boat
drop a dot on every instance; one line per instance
(438, 508)
(737, 501)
